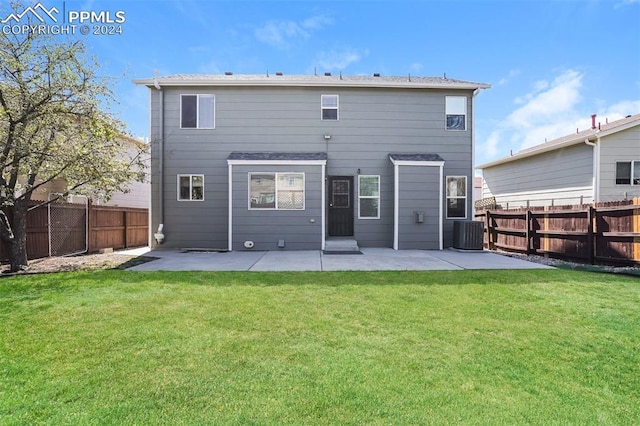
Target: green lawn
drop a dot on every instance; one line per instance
(463, 347)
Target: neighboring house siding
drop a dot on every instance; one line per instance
(300, 229)
(560, 177)
(372, 123)
(621, 146)
(137, 197)
(419, 192)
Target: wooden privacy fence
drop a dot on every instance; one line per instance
(600, 233)
(86, 226)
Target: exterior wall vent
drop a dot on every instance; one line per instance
(468, 235)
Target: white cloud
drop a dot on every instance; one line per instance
(335, 60)
(624, 3)
(283, 34)
(552, 109)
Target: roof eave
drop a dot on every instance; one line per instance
(320, 83)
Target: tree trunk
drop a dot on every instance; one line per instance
(15, 236)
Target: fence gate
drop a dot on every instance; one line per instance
(68, 224)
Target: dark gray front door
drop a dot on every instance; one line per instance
(340, 206)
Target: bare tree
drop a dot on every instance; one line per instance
(53, 125)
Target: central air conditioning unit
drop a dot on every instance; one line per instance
(468, 235)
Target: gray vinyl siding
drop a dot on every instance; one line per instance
(419, 191)
(373, 122)
(562, 177)
(621, 146)
(301, 229)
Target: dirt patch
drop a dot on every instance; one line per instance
(90, 262)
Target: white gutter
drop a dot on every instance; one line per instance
(159, 235)
(312, 83)
(596, 168)
(396, 203)
(230, 219)
(323, 197)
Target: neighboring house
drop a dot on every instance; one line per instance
(292, 162)
(595, 165)
(138, 195)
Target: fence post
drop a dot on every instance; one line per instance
(636, 229)
(591, 246)
(488, 219)
(125, 222)
(90, 225)
(529, 225)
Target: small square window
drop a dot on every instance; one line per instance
(456, 112)
(329, 106)
(190, 187)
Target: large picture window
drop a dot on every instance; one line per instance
(329, 107)
(276, 191)
(197, 111)
(456, 197)
(368, 197)
(190, 187)
(456, 112)
(628, 172)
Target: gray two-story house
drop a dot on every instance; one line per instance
(268, 162)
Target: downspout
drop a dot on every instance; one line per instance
(596, 168)
(159, 235)
(473, 148)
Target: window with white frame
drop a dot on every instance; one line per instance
(628, 172)
(329, 106)
(190, 187)
(276, 191)
(456, 197)
(456, 112)
(197, 111)
(368, 197)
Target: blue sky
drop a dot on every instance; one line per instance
(551, 64)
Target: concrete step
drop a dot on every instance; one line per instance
(341, 246)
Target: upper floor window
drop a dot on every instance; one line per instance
(329, 106)
(197, 111)
(456, 112)
(456, 197)
(628, 172)
(190, 187)
(276, 191)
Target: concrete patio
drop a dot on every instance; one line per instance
(371, 259)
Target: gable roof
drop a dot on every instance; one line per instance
(410, 82)
(569, 140)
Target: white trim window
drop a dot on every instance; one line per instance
(368, 197)
(456, 197)
(456, 112)
(190, 187)
(198, 111)
(628, 172)
(276, 191)
(329, 107)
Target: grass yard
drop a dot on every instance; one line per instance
(463, 347)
